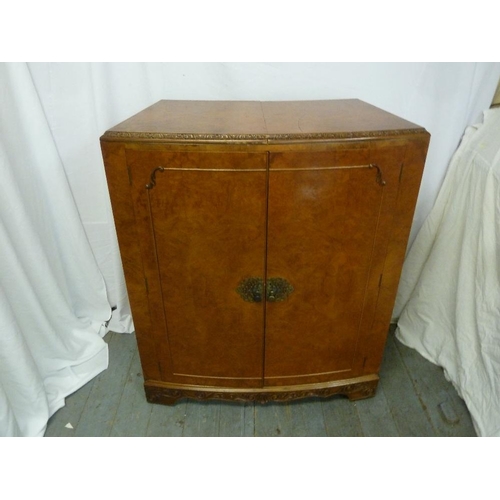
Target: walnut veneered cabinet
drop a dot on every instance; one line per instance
(262, 243)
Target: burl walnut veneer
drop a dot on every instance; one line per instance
(262, 243)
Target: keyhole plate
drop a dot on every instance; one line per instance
(251, 289)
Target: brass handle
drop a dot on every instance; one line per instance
(252, 289)
(152, 179)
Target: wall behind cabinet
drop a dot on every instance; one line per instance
(82, 100)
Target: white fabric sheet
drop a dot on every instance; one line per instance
(53, 303)
(449, 296)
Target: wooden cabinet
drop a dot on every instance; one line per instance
(262, 243)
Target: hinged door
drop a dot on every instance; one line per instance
(202, 225)
(330, 215)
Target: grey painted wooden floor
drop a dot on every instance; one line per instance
(413, 399)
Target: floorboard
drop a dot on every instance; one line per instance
(132, 416)
(447, 412)
(307, 418)
(100, 410)
(413, 399)
(405, 405)
(202, 419)
(236, 420)
(341, 417)
(375, 416)
(273, 420)
(167, 421)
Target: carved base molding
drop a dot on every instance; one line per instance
(354, 389)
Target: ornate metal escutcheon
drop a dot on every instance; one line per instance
(278, 289)
(252, 289)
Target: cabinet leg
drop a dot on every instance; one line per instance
(362, 391)
(161, 396)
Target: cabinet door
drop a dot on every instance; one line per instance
(330, 215)
(202, 225)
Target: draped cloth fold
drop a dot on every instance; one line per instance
(53, 302)
(449, 297)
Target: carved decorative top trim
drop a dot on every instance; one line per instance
(184, 137)
(259, 137)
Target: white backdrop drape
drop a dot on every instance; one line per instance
(60, 270)
(53, 303)
(449, 296)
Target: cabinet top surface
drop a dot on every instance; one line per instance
(254, 121)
